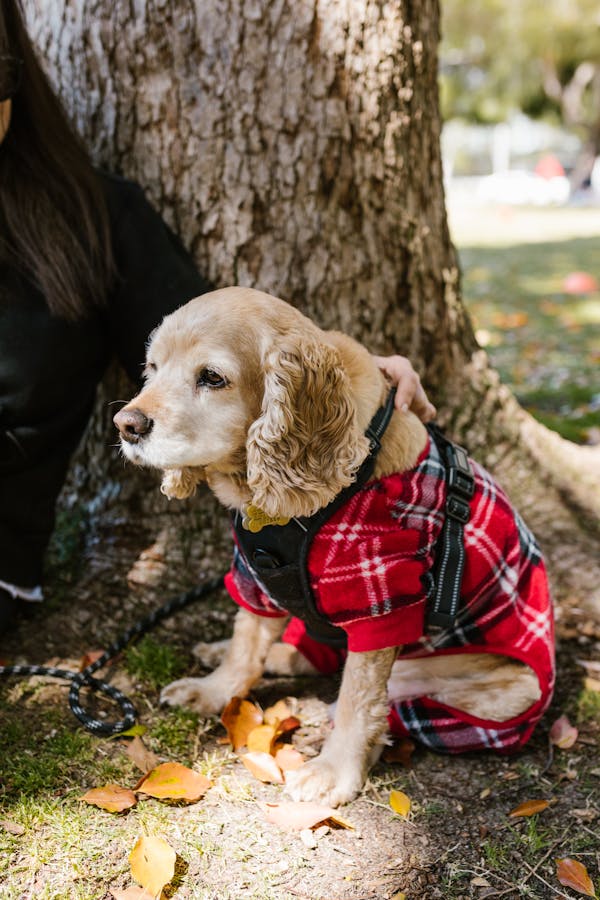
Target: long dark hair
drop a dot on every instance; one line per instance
(54, 225)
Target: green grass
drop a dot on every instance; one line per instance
(543, 341)
(155, 664)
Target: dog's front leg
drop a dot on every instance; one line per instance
(242, 666)
(338, 773)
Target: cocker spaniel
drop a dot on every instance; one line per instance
(244, 392)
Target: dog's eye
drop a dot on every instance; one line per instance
(210, 378)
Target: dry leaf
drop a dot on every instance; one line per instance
(591, 684)
(134, 892)
(89, 657)
(152, 863)
(263, 766)
(11, 827)
(286, 726)
(144, 758)
(288, 758)
(563, 734)
(400, 803)
(261, 738)
(111, 797)
(573, 874)
(400, 751)
(529, 808)
(240, 717)
(172, 781)
(296, 816)
(277, 713)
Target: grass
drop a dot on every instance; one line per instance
(543, 341)
(153, 663)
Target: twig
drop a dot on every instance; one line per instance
(548, 885)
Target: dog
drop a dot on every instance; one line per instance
(245, 393)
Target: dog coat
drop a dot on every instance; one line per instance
(371, 569)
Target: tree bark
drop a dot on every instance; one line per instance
(295, 147)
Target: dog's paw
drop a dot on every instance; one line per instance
(323, 781)
(203, 695)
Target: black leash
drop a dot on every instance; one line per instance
(85, 677)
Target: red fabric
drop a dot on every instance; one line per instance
(370, 569)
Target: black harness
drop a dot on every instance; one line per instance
(277, 555)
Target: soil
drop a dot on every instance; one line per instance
(458, 841)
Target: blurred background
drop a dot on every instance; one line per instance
(520, 94)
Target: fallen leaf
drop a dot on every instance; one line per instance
(132, 893)
(111, 797)
(152, 863)
(288, 758)
(400, 803)
(89, 657)
(11, 827)
(240, 717)
(277, 713)
(172, 781)
(135, 731)
(400, 751)
(144, 758)
(563, 734)
(591, 684)
(261, 738)
(479, 881)
(296, 816)
(286, 726)
(573, 874)
(263, 766)
(529, 808)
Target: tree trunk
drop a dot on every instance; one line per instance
(295, 147)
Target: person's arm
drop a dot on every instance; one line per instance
(410, 393)
(155, 274)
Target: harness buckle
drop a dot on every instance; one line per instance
(458, 509)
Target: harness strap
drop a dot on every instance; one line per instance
(277, 554)
(450, 554)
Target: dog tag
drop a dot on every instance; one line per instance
(254, 519)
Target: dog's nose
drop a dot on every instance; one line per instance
(132, 424)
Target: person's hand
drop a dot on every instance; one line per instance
(410, 393)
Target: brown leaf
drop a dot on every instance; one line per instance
(529, 808)
(263, 766)
(152, 863)
(563, 734)
(172, 781)
(277, 713)
(89, 657)
(11, 827)
(288, 758)
(261, 739)
(573, 874)
(401, 751)
(296, 816)
(286, 726)
(144, 758)
(111, 797)
(239, 718)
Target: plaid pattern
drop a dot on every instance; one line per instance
(371, 566)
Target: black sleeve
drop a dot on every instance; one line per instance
(155, 275)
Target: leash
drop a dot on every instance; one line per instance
(86, 679)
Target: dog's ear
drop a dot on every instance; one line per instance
(181, 483)
(306, 446)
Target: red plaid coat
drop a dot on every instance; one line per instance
(370, 569)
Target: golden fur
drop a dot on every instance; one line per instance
(285, 432)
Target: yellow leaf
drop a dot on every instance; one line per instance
(276, 713)
(529, 808)
(111, 797)
(172, 781)
(261, 738)
(573, 874)
(240, 717)
(288, 758)
(152, 863)
(400, 803)
(263, 766)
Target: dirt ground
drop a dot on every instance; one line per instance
(457, 842)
